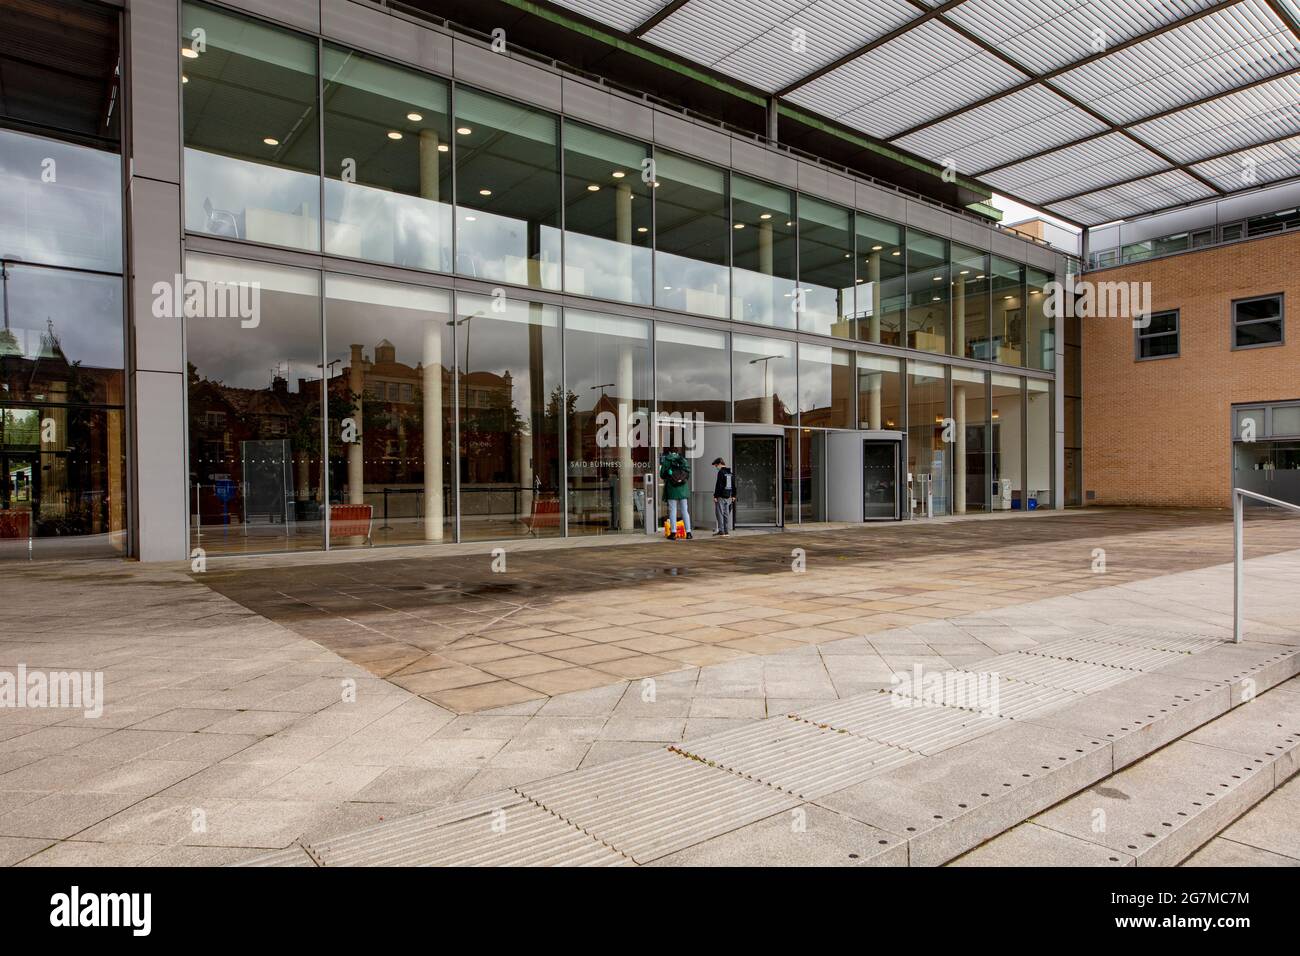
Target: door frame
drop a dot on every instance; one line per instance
(897, 446)
(778, 441)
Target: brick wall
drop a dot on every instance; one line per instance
(1158, 432)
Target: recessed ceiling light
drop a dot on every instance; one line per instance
(979, 277)
(655, 184)
(1008, 297)
(464, 130)
(766, 215)
(394, 134)
(270, 141)
(965, 272)
(185, 79)
(740, 225)
(593, 188)
(848, 255)
(414, 117)
(938, 278)
(1035, 292)
(896, 252)
(790, 222)
(189, 53)
(444, 148)
(876, 248)
(619, 174)
(642, 229)
(485, 192)
(935, 299)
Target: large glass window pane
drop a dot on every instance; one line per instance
(507, 191)
(881, 292)
(826, 389)
(73, 220)
(252, 149)
(607, 216)
(1040, 328)
(62, 337)
(970, 412)
(389, 356)
(826, 268)
(1008, 456)
(927, 409)
(879, 393)
(1007, 331)
(970, 302)
(763, 380)
(1038, 416)
(607, 360)
(691, 236)
(692, 372)
(813, 475)
(763, 254)
(927, 292)
(387, 162)
(64, 488)
(510, 405)
(254, 408)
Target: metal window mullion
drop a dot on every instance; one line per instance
(320, 291)
(563, 415)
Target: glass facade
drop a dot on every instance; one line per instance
(507, 191)
(928, 292)
(359, 410)
(764, 254)
(252, 146)
(387, 162)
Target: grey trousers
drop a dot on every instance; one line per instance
(722, 517)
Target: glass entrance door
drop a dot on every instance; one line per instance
(758, 461)
(879, 481)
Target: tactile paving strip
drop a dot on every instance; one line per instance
(797, 757)
(887, 718)
(1016, 699)
(500, 830)
(652, 805)
(1106, 654)
(1152, 638)
(1078, 676)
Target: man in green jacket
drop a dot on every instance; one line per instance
(675, 473)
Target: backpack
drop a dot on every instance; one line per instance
(678, 473)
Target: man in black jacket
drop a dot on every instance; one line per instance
(724, 500)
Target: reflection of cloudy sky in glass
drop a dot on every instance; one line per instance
(691, 365)
(364, 311)
(498, 342)
(75, 220)
(85, 311)
(286, 341)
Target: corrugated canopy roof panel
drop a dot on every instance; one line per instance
(1091, 109)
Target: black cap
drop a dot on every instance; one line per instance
(718, 461)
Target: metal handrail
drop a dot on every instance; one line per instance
(1239, 496)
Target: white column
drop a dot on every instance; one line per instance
(959, 450)
(432, 390)
(356, 450)
(623, 388)
(873, 408)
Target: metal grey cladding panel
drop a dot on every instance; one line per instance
(369, 29)
(500, 73)
(754, 160)
(155, 90)
(692, 139)
(1008, 248)
(929, 219)
(608, 110)
(154, 208)
(303, 14)
(882, 203)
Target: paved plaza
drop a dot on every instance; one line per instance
(282, 699)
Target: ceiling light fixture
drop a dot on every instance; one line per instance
(485, 192)
(394, 134)
(876, 248)
(463, 130)
(270, 141)
(414, 117)
(619, 174)
(189, 53)
(766, 215)
(593, 188)
(444, 148)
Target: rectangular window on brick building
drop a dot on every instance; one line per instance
(1257, 322)
(1160, 338)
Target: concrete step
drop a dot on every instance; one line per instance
(1162, 808)
(858, 781)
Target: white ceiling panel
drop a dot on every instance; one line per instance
(1046, 34)
(624, 15)
(1170, 188)
(1023, 122)
(1253, 167)
(1236, 121)
(830, 29)
(1093, 165)
(1217, 53)
(924, 73)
